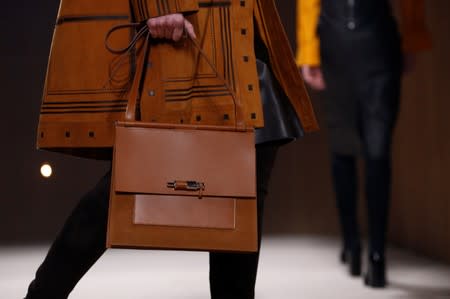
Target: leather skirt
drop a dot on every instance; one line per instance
(281, 124)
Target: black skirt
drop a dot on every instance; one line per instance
(362, 66)
(281, 124)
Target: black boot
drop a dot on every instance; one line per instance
(345, 187)
(378, 188)
(352, 257)
(376, 271)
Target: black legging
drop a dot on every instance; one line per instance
(82, 241)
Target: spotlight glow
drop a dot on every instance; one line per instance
(46, 170)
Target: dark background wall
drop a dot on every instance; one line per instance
(421, 206)
(32, 209)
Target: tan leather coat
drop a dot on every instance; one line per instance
(196, 82)
(266, 16)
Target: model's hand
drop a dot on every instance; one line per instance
(170, 27)
(313, 77)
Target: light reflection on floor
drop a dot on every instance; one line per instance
(301, 267)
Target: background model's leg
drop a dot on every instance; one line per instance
(380, 103)
(345, 181)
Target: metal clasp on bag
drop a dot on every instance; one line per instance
(188, 186)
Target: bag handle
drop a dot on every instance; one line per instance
(133, 93)
(130, 114)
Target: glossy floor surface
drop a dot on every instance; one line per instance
(301, 267)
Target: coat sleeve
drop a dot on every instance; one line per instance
(415, 34)
(307, 40)
(146, 9)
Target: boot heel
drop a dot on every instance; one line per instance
(354, 262)
(376, 272)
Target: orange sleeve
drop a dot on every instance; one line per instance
(415, 34)
(307, 40)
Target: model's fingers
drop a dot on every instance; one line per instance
(160, 27)
(151, 26)
(170, 27)
(154, 27)
(177, 34)
(177, 25)
(319, 80)
(321, 84)
(168, 32)
(313, 77)
(317, 83)
(306, 74)
(189, 29)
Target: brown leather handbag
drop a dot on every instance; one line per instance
(182, 186)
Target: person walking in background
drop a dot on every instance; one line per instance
(353, 51)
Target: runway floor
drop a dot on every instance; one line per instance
(302, 267)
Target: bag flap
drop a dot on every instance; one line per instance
(152, 160)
